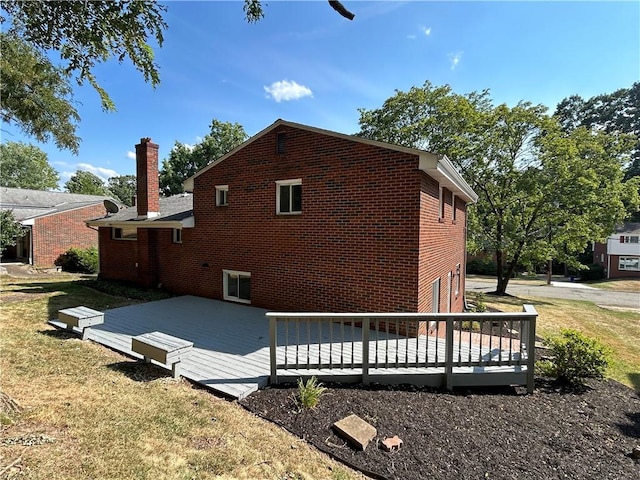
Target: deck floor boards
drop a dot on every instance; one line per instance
(231, 342)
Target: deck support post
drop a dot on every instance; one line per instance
(448, 354)
(273, 325)
(531, 346)
(365, 351)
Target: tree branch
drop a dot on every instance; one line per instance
(338, 7)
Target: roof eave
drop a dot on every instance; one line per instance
(441, 169)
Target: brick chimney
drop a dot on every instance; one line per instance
(148, 188)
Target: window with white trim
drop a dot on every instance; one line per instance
(222, 192)
(177, 235)
(237, 286)
(289, 197)
(124, 233)
(631, 239)
(441, 204)
(458, 277)
(631, 264)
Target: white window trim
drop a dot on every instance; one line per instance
(441, 203)
(453, 207)
(225, 285)
(623, 269)
(279, 183)
(126, 239)
(222, 188)
(176, 235)
(458, 275)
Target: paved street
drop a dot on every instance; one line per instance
(597, 296)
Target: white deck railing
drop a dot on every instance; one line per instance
(459, 349)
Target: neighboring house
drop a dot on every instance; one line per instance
(620, 256)
(300, 219)
(53, 222)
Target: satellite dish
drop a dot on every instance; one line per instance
(111, 206)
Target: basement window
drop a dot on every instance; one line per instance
(222, 192)
(289, 197)
(237, 286)
(124, 233)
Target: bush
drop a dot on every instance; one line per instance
(576, 357)
(594, 272)
(478, 266)
(309, 392)
(78, 260)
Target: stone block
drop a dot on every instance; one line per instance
(355, 431)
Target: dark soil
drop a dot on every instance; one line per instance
(498, 433)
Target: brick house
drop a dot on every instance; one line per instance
(620, 255)
(300, 219)
(53, 222)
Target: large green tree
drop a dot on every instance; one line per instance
(544, 193)
(184, 161)
(123, 187)
(86, 183)
(10, 230)
(26, 166)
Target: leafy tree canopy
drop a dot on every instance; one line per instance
(36, 93)
(123, 187)
(544, 193)
(86, 183)
(10, 230)
(184, 161)
(26, 166)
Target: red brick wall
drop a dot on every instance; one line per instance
(55, 234)
(118, 258)
(600, 254)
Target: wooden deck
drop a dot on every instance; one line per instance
(231, 342)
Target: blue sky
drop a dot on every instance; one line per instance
(305, 63)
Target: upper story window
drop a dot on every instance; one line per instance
(222, 192)
(124, 233)
(441, 204)
(629, 239)
(289, 197)
(177, 235)
(453, 207)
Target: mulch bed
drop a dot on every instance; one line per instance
(497, 433)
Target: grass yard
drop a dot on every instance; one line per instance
(88, 412)
(620, 330)
(631, 285)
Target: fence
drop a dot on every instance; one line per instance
(459, 349)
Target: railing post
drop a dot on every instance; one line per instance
(448, 354)
(273, 325)
(365, 351)
(531, 346)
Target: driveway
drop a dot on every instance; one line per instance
(605, 298)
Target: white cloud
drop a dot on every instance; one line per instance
(426, 31)
(103, 173)
(455, 59)
(286, 90)
(411, 37)
(131, 155)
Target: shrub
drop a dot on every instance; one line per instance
(309, 392)
(78, 260)
(594, 272)
(576, 357)
(478, 266)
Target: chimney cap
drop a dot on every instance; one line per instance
(145, 140)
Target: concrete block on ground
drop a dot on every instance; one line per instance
(355, 431)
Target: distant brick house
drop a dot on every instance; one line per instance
(300, 219)
(53, 222)
(620, 255)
